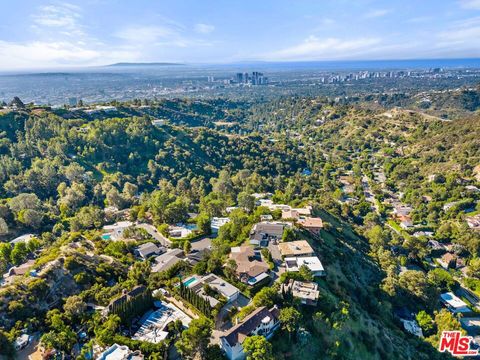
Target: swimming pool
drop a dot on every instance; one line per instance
(106, 236)
(190, 281)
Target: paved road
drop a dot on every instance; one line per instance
(470, 296)
(277, 260)
(152, 230)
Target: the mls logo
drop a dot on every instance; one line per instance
(456, 344)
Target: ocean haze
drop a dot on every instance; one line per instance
(132, 80)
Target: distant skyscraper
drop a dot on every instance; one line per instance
(239, 78)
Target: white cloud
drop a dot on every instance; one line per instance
(470, 4)
(377, 13)
(61, 19)
(314, 48)
(204, 28)
(465, 32)
(43, 54)
(146, 34)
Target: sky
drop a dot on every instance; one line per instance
(73, 33)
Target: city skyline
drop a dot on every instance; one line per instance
(47, 34)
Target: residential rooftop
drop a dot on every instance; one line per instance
(295, 248)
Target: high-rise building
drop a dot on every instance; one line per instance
(239, 78)
(72, 101)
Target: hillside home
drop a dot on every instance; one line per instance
(264, 232)
(24, 238)
(154, 324)
(453, 303)
(149, 249)
(474, 222)
(181, 231)
(295, 248)
(115, 231)
(168, 260)
(313, 225)
(251, 269)
(223, 288)
(261, 321)
(306, 292)
(313, 263)
(20, 269)
(120, 352)
(217, 223)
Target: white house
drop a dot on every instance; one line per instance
(148, 249)
(116, 230)
(313, 263)
(217, 223)
(24, 238)
(120, 352)
(227, 290)
(262, 321)
(453, 303)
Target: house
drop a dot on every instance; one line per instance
(471, 325)
(423, 233)
(24, 238)
(264, 202)
(306, 292)
(472, 188)
(473, 222)
(401, 210)
(450, 205)
(168, 260)
(314, 225)
(296, 213)
(295, 248)
(453, 303)
(158, 122)
(261, 321)
(290, 214)
(448, 261)
(251, 269)
(262, 195)
(348, 185)
(406, 223)
(181, 231)
(313, 263)
(412, 327)
(154, 327)
(217, 223)
(226, 290)
(21, 342)
(264, 232)
(115, 231)
(120, 352)
(266, 217)
(20, 269)
(149, 249)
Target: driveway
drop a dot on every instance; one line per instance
(152, 230)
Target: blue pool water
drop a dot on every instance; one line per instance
(189, 281)
(106, 236)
